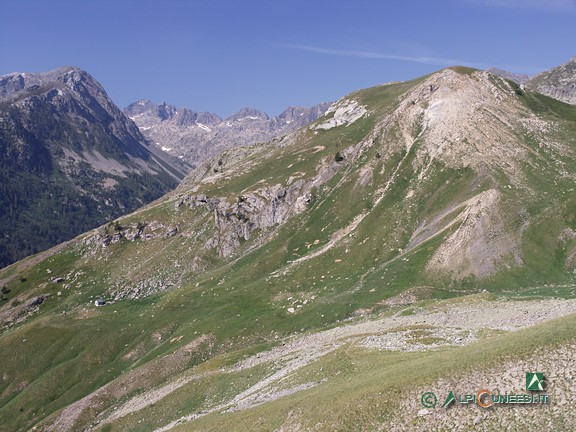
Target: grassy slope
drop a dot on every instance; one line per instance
(239, 303)
(366, 387)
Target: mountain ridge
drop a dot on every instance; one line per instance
(67, 148)
(195, 136)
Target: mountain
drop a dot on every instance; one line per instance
(70, 161)
(194, 137)
(559, 82)
(416, 239)
(517, 78)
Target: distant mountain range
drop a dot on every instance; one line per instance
(196, 136)
(70, 161)
(518, 78)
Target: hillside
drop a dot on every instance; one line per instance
(418, 236)
(70, 161)
(195, 137)
(558, 82)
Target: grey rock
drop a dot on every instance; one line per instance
(559, 82)
(171, 232)
(194, 137)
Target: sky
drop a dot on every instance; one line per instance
(222, 55)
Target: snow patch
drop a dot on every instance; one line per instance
(136, 116)
(204, 127)
(248, 117)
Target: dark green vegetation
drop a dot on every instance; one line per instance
(293, 237)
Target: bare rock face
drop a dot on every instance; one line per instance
(559, 82)
(194, 137)
(343, 112)
(483, 238)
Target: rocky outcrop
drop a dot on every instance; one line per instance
(261, 209)
(344, 112)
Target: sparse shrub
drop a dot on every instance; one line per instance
(117, 226)
(5, 290)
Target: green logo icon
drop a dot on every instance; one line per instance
(534, 381)
(428, 400)
(449, 399)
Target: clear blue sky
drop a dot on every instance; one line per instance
(219, 56)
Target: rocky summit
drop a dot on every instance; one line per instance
(418, 238)
(70, 161)
(194, 137)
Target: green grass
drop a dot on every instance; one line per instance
(364, 388)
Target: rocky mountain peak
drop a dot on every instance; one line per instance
(460, 117)
(248, 114)
(196, 136)
(71, 76)
(146, 114)
(298, 113)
